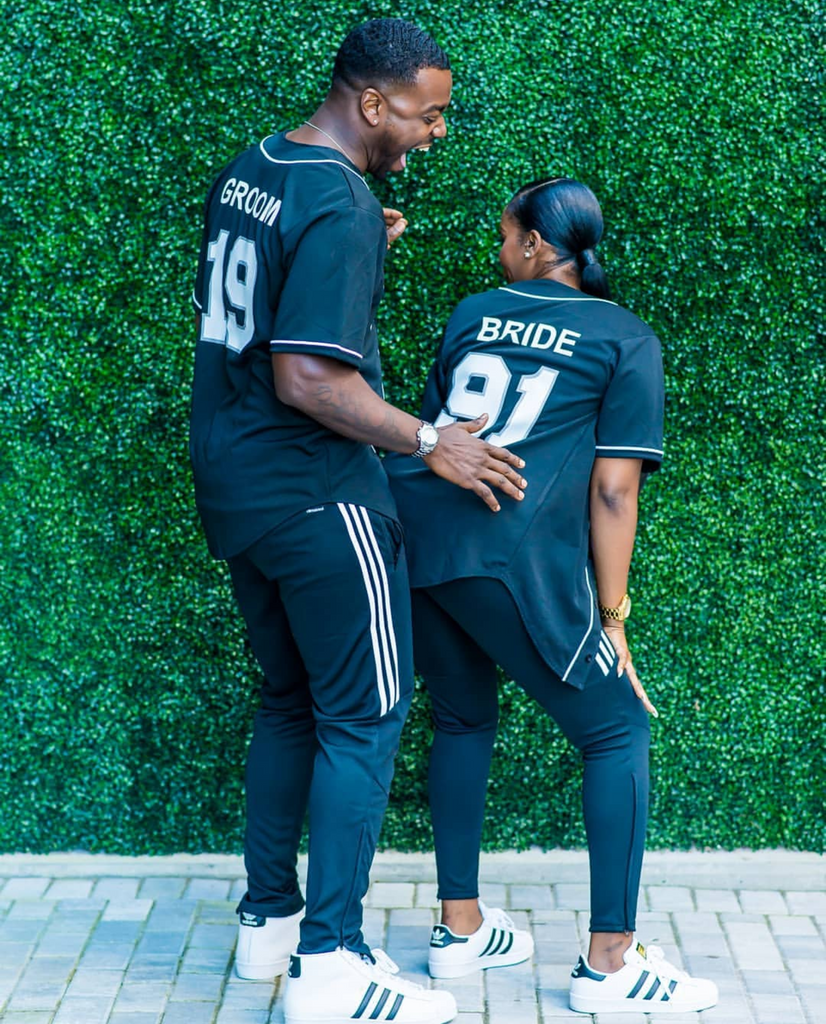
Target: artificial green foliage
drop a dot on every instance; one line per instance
(127, 691)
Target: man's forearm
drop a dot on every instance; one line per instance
(342, 400)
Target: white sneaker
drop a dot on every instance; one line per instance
(647, 983)
(497, 943)
(264, 945)
(340, 987)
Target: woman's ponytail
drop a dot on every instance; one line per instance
(594, 278)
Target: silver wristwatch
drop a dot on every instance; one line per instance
(428, 437)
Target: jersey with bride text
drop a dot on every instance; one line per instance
(564, 378)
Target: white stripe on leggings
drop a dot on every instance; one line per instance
(368, 573)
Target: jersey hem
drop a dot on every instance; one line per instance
(503, 578)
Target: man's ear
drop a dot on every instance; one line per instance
(372, 106)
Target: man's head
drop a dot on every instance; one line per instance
(400, 82)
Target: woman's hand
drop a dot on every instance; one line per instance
(616, 634)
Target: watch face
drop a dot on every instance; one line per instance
(625, 607)
(428, 435)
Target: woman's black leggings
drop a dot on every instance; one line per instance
(462, 630)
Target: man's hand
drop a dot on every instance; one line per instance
(474, 464)
(616, 634)
(395, 223)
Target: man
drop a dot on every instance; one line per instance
(286, 410)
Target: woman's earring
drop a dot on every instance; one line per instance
(527, 255)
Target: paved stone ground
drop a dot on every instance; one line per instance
(107, 940)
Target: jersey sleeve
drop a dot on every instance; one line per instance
(630, 424)
(327, 300)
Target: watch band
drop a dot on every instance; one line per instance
(618, 614)
(425, 446)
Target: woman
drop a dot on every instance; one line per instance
(573, 384)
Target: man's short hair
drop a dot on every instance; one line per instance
(386, 51)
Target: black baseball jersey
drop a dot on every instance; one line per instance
(292, 260)
(564, 378)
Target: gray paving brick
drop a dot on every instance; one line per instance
(762, 902)
(213, 936)
(142, 996)
(670, 897)
(208, 889)
(162, 942)
(111, 957)
(528, 897)
(70, 889)
(799, 902)
(162, 888)
(83, 1010)
(205, 961)
(810, 972)
(36, 995)
(197, 988)
(238, 889)
(127, 909)
(494, 894)
(116, 931)
(95, 983)
(138, 1018)
(230, 1015)
(217, 912)
(517, 1013)
(27, 1017)
(426, 895)
(56, 943)
(802, 947)
(171, 915)
(792, 925)
(50, 969)
(572, 896)
(188, 1013)
(23, 930)
(247, 995)
(773, 983)
(37, 910)
(25, 888)
(770, 1009)
(753, 946)
(391, 894)
(153, 967)
(716, 900)
(116, 888)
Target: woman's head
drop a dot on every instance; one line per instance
(550, 228)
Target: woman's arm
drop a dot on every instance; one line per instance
(615, 487)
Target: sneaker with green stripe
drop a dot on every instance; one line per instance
(647, 983)
(497, 943)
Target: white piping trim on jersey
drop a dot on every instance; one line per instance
(602, 664)
(320, 344)
(369, 576)
(626, 448)
(338, 163)
(588, 632)
(556, 298)
(607, 652)
(197, 303)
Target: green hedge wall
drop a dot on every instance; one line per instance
(127, 691)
